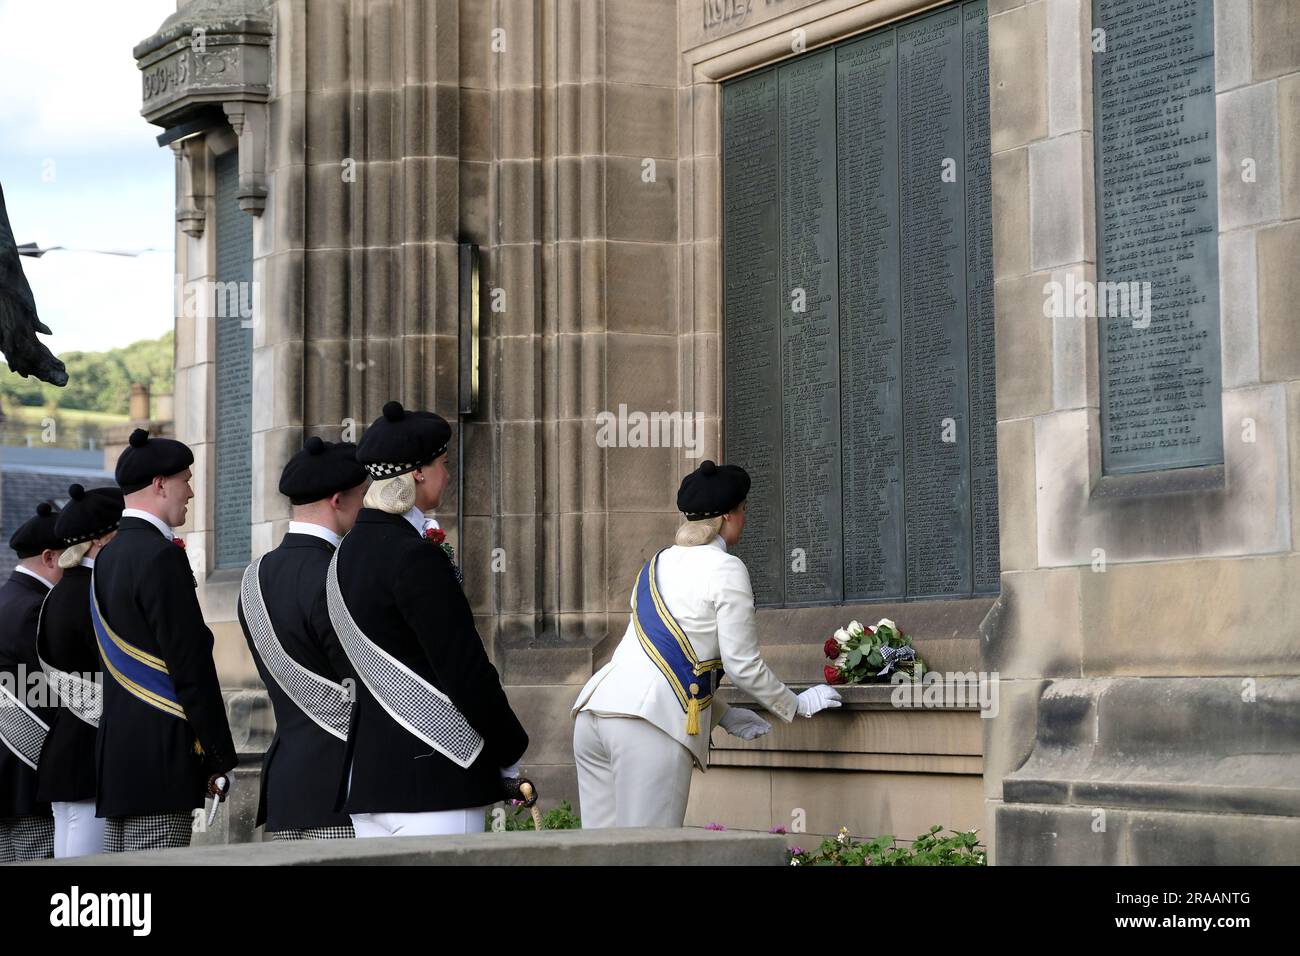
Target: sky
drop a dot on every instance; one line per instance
(82, 168)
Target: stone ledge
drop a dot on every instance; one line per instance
(960, 764)
(868, 696)
(1038, 835)
(613, 847)
(1177, 744)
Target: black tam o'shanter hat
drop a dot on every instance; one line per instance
(89, 514)
(37, 533)
(712, 490)
(321, 469)
(145, 459)
(400, 441)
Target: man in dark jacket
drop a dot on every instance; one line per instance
(434, 738)
(26, 825)
(164, 740)
(286, 622)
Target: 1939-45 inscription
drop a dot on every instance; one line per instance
(857, 267)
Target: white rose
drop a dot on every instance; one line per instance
(856, 628)
(885, 622)
(841, 637)
(842, 662)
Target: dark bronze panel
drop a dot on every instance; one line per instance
(977, 173)
(810, 379)
(233, 471)
(936, 441)
(860, 372)
(871, 349)
(752, 330)
(1157, 224)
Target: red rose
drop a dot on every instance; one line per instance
(179, 542)
(436, 535)
(831, 648)
(832, 675)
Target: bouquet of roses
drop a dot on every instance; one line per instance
(864, 654)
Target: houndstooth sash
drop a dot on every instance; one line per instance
(85, 698)
(407, 697)
(20, 729)
(325, 702)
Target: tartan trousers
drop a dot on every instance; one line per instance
(26, 838)
(154, 831)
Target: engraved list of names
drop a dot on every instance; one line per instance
(857, 262)
(1157, 235)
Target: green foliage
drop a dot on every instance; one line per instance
(97, 381)
(929, 849)
(560, 817)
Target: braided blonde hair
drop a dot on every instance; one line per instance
(71, 556)
(694, 533)
(394, 495)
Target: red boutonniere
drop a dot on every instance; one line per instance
(179, 542)
(436, 535)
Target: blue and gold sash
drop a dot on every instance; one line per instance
(692, 680)
(142, 675)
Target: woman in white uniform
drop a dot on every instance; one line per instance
(643, 720)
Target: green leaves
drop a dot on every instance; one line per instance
(560, 817)
(962, 848)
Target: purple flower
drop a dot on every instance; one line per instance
(776, 829)
(796, 851)
(715, 826)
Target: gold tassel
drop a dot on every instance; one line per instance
(198, 747)
(693, 712)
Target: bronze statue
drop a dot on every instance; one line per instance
(25, 353)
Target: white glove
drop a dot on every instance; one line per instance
(818, 698)
(743, 723)
(510, 771)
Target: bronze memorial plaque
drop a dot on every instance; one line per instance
(1157, 235)
(858, 315)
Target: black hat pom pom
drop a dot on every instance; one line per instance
(708, 468)
(139, 438)
(394, 411)
(45, 509)
(76, 492)
(315, 446)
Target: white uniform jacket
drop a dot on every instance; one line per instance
(708, 591)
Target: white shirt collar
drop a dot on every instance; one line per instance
(152, 519)
(418, 521)
(315, 530)
(87, 562)
(23, 570)
(717, 542)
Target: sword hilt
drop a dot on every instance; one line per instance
(529, 793)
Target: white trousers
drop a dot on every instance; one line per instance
(433, 823)
(77, 831)
(630, 773)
